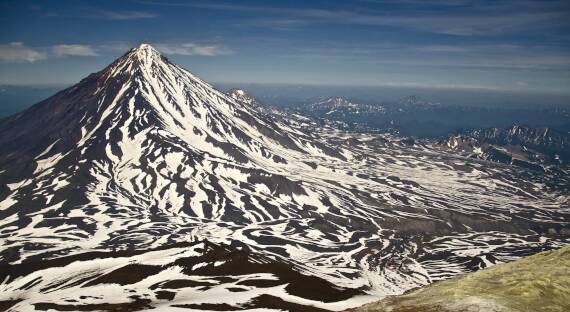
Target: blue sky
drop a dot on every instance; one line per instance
(515, 45)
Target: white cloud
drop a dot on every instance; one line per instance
(124, 15)
(17, 52)
(444, 48)
(190, 48)
(469, 18)
(74, 49)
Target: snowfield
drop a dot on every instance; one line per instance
(100, 183)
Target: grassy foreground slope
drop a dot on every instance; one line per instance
(537, 283)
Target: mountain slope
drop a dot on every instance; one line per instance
(538, 283)
(144, 154)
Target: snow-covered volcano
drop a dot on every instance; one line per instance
(147, 134)
(144, 155)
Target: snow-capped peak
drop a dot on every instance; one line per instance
(416, 101)
(146, 47)
(144, 55)
(145, 50)
(242, 96)
(335, 102)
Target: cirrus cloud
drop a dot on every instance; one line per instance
(190, 48)
(123, 15)
(74, 49)
(15, 52)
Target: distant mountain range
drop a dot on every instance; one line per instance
(415, 116)
(338, 105)
(537, 148)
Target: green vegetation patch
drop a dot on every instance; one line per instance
(537, 283)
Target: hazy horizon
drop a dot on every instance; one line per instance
(14, 98)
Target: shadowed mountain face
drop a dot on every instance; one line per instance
(144, 154)
(184, 275)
